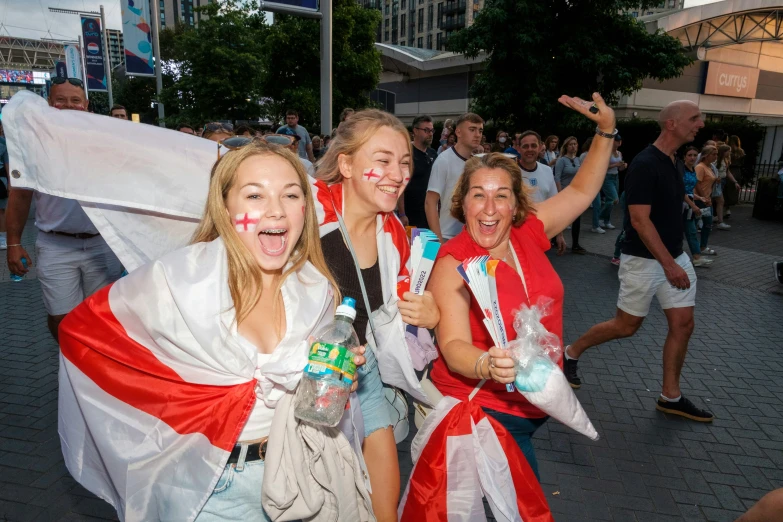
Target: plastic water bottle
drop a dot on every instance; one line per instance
(16, 278)
(328, 376)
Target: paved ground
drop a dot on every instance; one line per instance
(646, 466)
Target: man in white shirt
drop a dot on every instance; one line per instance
(537, 175)
(73, 259)
(445, 173)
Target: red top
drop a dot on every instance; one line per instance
(529, 243)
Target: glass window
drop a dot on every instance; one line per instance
(429, 41)
(402, 43)
(429, 18)
(421, 20)
(386, 36)
(439, 41)
(420, 42)
(402, 25)
(403, 4)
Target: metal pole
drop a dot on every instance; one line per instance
(84, 68)
(107, 58)
(156, 52)
(326, 67)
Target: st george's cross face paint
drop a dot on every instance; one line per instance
(373, 175)
(247, 222)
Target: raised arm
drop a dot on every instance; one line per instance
(560, 211)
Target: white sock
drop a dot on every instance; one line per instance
(568, 357)
(676, 399)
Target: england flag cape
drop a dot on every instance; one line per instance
(145, 189)
(156, 386)
(460, 455)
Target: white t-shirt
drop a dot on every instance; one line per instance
(551, 155)
(542, 181)
(446, 170)
(61, 215)
(259, 422)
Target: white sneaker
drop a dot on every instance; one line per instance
(598, 230)
(601, 223)
(609, 226)
(702, 262)
(723, 226)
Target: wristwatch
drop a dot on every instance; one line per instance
(605, 134)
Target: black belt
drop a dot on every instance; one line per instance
(255, 451)
(80, 235)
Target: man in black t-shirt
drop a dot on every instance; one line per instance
(410, 207)
(653, 262)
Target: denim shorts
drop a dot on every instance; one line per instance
(237, 495)
(375, 409)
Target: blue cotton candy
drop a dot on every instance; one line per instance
(533, 378)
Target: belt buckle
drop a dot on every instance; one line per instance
(262, 448)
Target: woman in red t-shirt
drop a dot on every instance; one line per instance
(501, 221)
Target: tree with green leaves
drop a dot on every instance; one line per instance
(538, 50)
(216, 68)
(292, 63)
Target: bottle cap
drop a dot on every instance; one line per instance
(347, 308)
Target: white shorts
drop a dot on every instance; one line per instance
(71, 269)
(642, 278)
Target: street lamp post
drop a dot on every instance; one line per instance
(325, 17)
(158, 62)
(104, 39)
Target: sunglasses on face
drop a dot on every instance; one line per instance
(214, 127)
(59, 80)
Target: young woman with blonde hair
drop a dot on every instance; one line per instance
(361, 177)
(196, 353)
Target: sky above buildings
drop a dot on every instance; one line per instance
(32, 19)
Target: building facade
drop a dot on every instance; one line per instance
(664, 6)
(737, 72)
(173, 12)
(116, 48)
(424, 24)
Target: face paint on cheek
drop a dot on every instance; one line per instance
(303, 210)
(406, 176)
(247, 222)
(372, 175)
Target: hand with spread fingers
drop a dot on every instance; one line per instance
(604, 117)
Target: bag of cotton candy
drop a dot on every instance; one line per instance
(536, 352)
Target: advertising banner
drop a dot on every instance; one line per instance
(308, 4)
(73, 62)
(137, 36)
(93, 54)
(61, 70)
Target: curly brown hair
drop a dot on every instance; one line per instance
(494, 160)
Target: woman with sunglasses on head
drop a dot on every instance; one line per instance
(360, 179)
(193, 418)
(217, 131)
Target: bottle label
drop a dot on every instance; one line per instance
(331, 360)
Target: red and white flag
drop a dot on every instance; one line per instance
(460, 455)
(156, 385)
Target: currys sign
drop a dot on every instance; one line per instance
(724, 79)
(93, 57)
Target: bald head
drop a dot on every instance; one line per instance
(675, 111)
(680, 121)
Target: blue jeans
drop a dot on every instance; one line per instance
(596, 209)
(237, 495)
(610, 191)
(522, 429)
(691, 235)
(706, 228)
